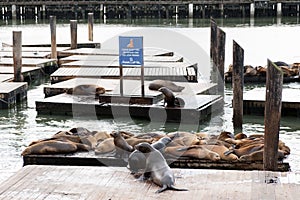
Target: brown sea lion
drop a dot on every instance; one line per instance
(86, 89)
(54, 147)
(155, 136)
(195, 151)
(184, 138)
(240, 136)
(221, 149)
(169, 97)
(101, 135)
(224, 135)
(249, 71)
(80, 131)
(137, 160)
(157, 168)
(89, 140)
(105, 146)
(156, 84)
(259, 156)
(122, 147)
(134, 141)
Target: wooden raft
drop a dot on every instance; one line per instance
(197, 108)
(182, 74)
(90, 159)
(94, 183)
(11, 93)
(254, 102)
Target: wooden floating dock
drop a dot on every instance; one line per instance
(94, 183)
(254, 102)
(262, 79)
(197, 107)
(73, 58)
(109, 52)
(90, 159)
(12, 92)
(173, 74)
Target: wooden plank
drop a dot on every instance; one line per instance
(29, 62)
(6, 77)
(69, 182)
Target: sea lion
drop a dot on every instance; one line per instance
(105, 146)
(134, 141)
(224, 135)
(80, 131)
(157, 168)
(155, 136)
(86, 89)
(54, 147)
(156, 84)
(122, 147)
(101, 135)
(220, 150)
(170, 99)
(184, 138)
(259, 156)
(137, 160)
(195, 151)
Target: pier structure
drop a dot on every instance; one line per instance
(118, 9)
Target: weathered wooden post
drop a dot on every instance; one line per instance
(238, 86)
(17, 55)
(53, 37)
(217, 54)
(221, 38)
(272, 116)
(90, 25)
(73, 26)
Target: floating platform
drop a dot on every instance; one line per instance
(262, 79)
(173, 74)
(197, 108)
(111, 58)
(112, 86)
(90, 159)
(11, 93)
(254, 102)
(29, 73)
(6, 77)
(94, 183)
(110, 52)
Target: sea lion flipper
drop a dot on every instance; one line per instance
(172, 187)
(164, 187)
(226, 153)
(186, 148)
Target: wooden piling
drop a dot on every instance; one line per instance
(53, 37)
(73, 26)
(17, 56)
(221, 38)
(90, 25)
(237, 85)
(217, 54)
(272, 116)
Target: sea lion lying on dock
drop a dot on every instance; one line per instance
(86, 89)
(122, 147)
(157, 168)
(54, 147)
(156, 84)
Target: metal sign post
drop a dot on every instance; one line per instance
(131, 54)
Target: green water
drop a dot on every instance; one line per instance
(261, 39)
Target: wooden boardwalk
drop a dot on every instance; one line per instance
(94, 183)
(254, 101)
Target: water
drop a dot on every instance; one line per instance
(261, 39)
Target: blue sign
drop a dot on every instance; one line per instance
(131, 51)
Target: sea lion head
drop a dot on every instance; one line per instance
(115, 134)
(165, 140)
(100, 90)
(144, 147)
